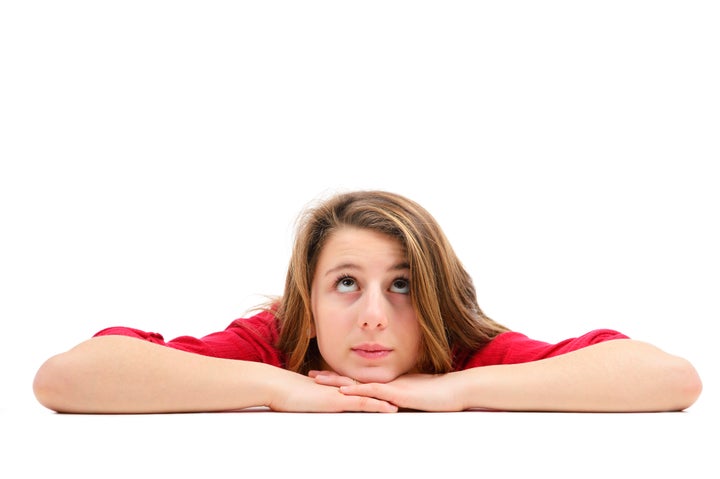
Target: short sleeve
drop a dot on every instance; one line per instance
(513, 347)
(248, 339)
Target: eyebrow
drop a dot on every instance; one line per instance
(397, 267)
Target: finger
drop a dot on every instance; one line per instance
(333, 380)
(370, 404)
(313, 373)
(357, 389)
(371, 390)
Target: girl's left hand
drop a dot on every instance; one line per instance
(423, 392)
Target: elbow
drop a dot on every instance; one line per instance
(686, 384)
(51, 384)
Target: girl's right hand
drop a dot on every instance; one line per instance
(298, 393)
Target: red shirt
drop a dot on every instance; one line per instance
(254, 339)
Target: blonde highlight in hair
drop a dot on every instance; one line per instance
(442, 292)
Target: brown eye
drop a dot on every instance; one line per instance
(400, 285)
(346, 284)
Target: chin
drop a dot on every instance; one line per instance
(379, 376)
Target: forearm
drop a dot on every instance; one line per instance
(620, 375)
(117, 374)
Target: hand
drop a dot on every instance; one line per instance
(423, 392)
(303, 394)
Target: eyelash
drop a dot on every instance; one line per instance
(403, 278)
(343, 276)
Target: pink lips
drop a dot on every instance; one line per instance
(371, 351)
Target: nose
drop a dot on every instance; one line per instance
(374, 309)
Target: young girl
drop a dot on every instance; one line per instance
(378, 314)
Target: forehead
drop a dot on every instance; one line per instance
(361, 244)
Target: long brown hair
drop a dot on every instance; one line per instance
(442, 292)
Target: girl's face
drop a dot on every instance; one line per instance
(365, 324)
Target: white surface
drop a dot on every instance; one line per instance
(154, 156)
(272, 444)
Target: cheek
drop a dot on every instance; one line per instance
(411, 329)
(318, 307)
(326, 314)
(416, 332)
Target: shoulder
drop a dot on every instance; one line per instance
(263, 324)
(513, 347)
(252, 338)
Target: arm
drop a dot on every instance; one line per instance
(622, 375)
(615, 376)
(118, 374)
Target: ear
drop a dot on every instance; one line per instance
(311, 331)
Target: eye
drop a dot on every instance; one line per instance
(400, 285)
(346, 284)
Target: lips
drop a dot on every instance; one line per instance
(372, 351)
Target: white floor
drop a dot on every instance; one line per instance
(259, 443)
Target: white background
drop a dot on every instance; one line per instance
(156, 154)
